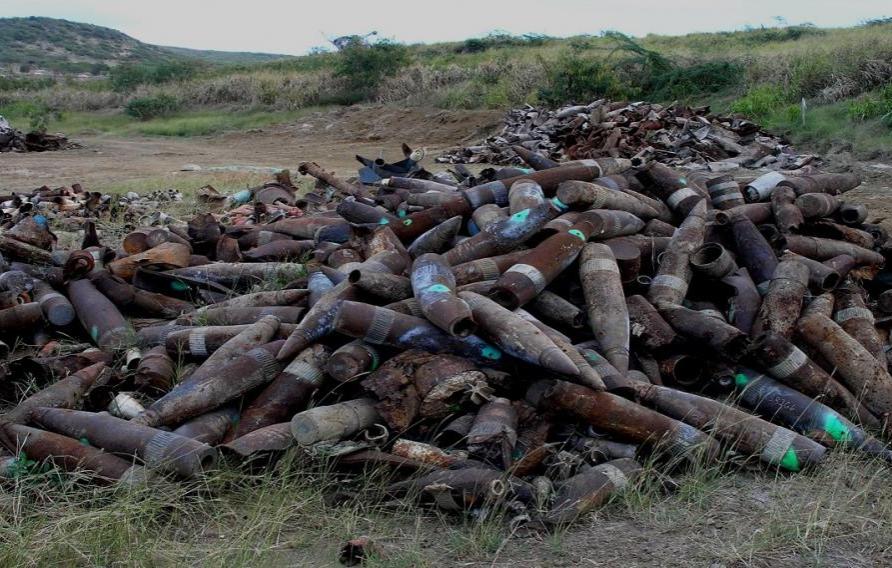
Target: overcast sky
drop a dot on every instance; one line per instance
(280, 26)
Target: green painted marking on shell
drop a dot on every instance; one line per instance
(741, 380)
(490, 352)
(836, 428)
(179, 286)
(401, 213)
(559, 204)
(438, 288)
(520, 216)
(94, 333)
(578, 234)
(683, 181)
(407, 222)
(790, 460)
(383, 221)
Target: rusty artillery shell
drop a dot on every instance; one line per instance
(782, 303)
(486, 215)
(743, 432)
(829, 230)
(20, 319)
(210, 427)
(494, 433)
(197, 396)
(259, 333)
(240, 316)
(157, 448)
(170, 255)
(427, 199)
(820, 305)
(69, 454)
(647, 327)
(743, 305)
(306, 227)
(534, 271)
(25, 252)
(382, 326)
(833, 184)
(588, 372)
(821, 277)
(802, 413)
(627, 420)
(260, 299)
(816, 205)
(437, 239)
(627, 254)
(608, 315)
(361, 214)
(582, 195)
(315, 170)
(534, 159)
(288, 393)
(64, 393)
(387, 287)
(272, 439)
(318, 285)
(560, 224)
(333, 423)
(433, 284)
(131, 298)
(155, 372)
(98, 316)
(260, 237)
(427, 453)
(554, 308)
(318, 320)
(200, 341)
(866, 377)
(497, 191)
(713, 260)
(353, 359)
(721, 337)
(500, 237)
(674, 275)
(852, 315)
(724, 192)
(56, 308)
(609, 223)
(657, 228)
(787, 216)
(12, 298)
(673, 187)
(415, 184)
(241, 274)
(852, 213)
(518, 337)
(611, 379)
(485, 268)
(419, 222)
(824, 249)
(277, 251)
(590, 489)
(463, 488)
(525, 194)
(753, 252)
(227, 250)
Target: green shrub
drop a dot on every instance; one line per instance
(760, 101)
(702, 78)
(129, 76)
(363, 65)
(146, 108)
(876, 105)
(575, 78)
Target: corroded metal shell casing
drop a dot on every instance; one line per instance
(590, 489)
(433, 284)
(605, 302)
(333, 423)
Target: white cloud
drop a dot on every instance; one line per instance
(294, 27)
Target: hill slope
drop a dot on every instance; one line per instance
(72, 47)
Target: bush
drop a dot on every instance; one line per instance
(574, 78)
(760, 102)
(363, 65)
(129, 76)
(702, 78)
(146, 108)
(877, 105)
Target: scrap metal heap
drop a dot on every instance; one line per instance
(519, 346)
(12, 140)
(675, 135)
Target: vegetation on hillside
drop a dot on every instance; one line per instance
(763, 73)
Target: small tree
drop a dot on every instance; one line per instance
(365, 64)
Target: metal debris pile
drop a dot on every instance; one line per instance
(12, 140)
(515, 346)
(675, 135)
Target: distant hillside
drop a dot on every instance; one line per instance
(71, 47)
(212, 56)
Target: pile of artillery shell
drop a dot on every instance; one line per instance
(12, 140)
(527, 342)
(674, 135)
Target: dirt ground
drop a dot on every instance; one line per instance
(839, 516)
